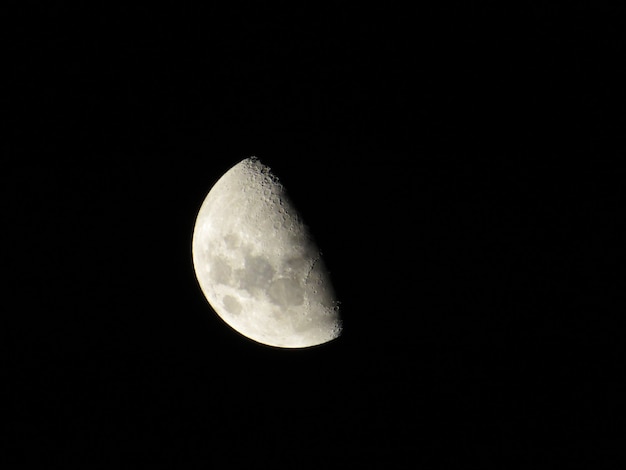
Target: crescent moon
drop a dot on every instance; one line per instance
(258, 265)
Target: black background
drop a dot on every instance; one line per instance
(458, 165)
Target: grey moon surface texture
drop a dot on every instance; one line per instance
(257, 264)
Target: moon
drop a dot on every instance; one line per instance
(258, 265)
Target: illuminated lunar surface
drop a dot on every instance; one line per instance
(258, 265)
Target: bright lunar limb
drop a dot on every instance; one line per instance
(258, 265)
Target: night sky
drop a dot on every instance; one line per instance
(456, 165)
